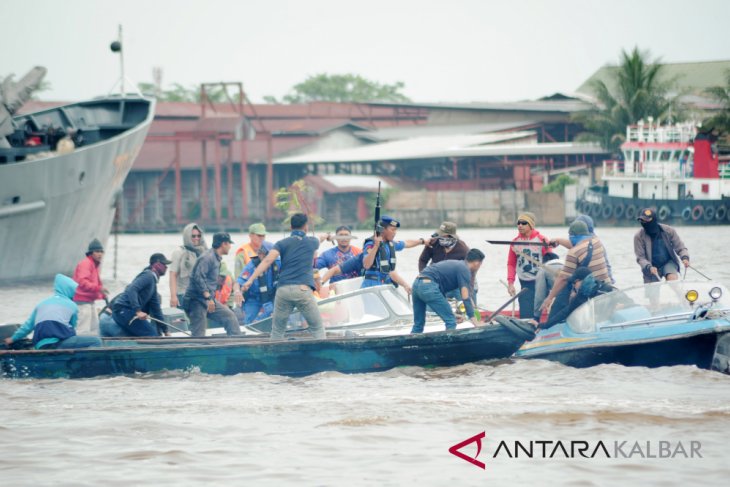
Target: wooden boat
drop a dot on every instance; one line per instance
(654, 325)
(297, 357)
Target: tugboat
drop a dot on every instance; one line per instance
(673, 169)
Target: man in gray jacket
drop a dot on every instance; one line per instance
(656, 247)
(200, 302)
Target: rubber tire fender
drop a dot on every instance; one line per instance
(686, 213)
(709, 213)
(697, 212)
(606, 211)
(664, 213)
(517, 327)
(618, 210)
(631, 211)
(721, 213)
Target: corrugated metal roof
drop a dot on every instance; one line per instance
(396, 133)
(546, 149)
(556, 106)
(347, 183)
(691, 77)
(415, 148)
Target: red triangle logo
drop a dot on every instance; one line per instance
(454, 450)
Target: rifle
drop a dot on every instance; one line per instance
(377, 228)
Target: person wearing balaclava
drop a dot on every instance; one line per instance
(135, 309)
(183, 260)
(445, 244)
(586, 251)
(656, 247)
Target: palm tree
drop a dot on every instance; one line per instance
(638, 91)
(721, 120)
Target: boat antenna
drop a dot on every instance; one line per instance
(116, 46)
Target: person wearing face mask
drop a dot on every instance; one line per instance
(586, 251)
(445, 244)
(656, 247)
(140, 300)
(583, 286)
(183, 260)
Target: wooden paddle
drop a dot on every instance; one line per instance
(509, 301)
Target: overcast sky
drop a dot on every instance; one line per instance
(455, 51)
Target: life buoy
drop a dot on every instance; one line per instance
(618, 210)
(606, 212)
(709, 213)
(720, 213)
(595, 210)
(663, 213)
(631, 212)
(697, 212)
(686, 213)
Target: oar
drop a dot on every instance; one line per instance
(700, 273)
(513, 303)
(106, 306)
(162, 322)
(501, 308)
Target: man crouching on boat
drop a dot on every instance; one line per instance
(53, 321)
(437, 280)
(140, 301)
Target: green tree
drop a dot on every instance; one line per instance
(559, 184)
(721, 120)
(295, 199)
(344, 88)
(640, 92)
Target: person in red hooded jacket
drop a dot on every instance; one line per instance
(89, 289)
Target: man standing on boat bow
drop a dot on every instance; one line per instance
(296, 280)
(522, 267)
(656, 247)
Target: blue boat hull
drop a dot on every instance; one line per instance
(697, 350)
(291, 358)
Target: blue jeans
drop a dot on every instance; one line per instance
(77, 341)
(255, 311)
(138, 328)
(428, 294)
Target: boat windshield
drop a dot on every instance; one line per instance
(648, 303)
(368, 307)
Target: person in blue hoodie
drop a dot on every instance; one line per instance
(53, 320)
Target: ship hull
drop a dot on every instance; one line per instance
(52, 207)
(619, 211)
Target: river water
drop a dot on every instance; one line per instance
(389, 428)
